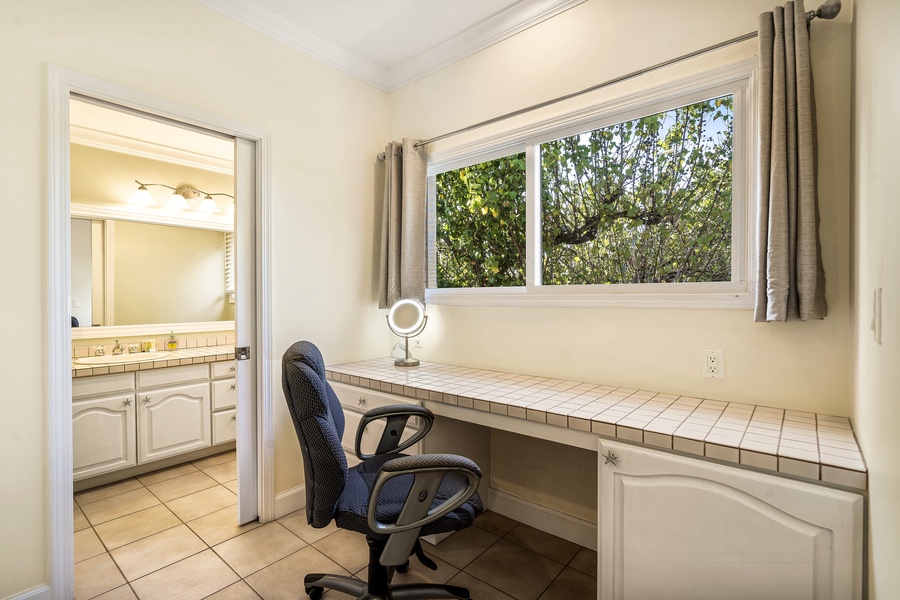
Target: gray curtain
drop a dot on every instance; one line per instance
(790, 280)
(403, 224)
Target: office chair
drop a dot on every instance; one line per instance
(389, 497)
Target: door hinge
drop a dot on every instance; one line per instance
(242, 352)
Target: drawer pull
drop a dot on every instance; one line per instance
(126, 402)
(233, 386)
(361, 401)
(233, 368)
(146, 399)
(234, 417)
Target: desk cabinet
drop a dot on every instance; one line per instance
(672, 527)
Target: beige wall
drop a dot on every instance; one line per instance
(796, 365)
(326, 128)
(876, 260)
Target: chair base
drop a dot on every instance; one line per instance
(379, 585)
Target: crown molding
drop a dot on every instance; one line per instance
(507, 23)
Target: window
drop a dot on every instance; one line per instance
(644, 203)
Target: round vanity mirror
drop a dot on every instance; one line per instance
(407, 318)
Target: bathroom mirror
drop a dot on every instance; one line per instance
(140, 269)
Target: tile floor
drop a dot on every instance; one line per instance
(171, 535)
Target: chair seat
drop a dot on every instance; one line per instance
(352, 506)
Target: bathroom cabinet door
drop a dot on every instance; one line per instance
(673, 527)
(103, 435)
(173, 420)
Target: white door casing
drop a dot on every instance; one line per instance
(62, 83)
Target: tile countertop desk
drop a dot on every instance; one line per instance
(784, 472)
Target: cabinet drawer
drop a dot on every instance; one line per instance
(171, 375)
(104, 384)
(224, 426)
(224, 393)
(362, 399)
(225, 368)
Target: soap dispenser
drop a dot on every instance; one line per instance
(172, 343)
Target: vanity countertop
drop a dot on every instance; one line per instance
(802, 444)
(174, 358)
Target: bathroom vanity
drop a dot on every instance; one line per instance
(692, 501)
(151, 411)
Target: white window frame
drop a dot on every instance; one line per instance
(738, 79)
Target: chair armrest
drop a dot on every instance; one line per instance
(429, 471)
(396, 416)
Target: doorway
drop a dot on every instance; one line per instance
(253, 330)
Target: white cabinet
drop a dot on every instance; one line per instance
(224, 400)
(356, 401)
(103, 425)
(672, 527)
(173, 420)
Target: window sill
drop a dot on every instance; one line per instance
(520, 296)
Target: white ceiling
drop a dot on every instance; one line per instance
(390, 43)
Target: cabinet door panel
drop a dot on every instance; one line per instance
(173, 420)
(103, 435)
(678, 528)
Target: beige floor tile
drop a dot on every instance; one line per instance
(180, 579)
(114, 507)
(223, 472)
(87, 545)
(283, 580)
(166, 474)
(251, 551)
(157, 551)
(183, 485)
(544, 543)
(220, 525)
(462, 547)
(194, 506)
(419, 573)
(571, 584)
(481, 590)
(130, 528)
(95, 576)
(517, 571)
(216, 459)
(495, 523)
(347, 548)
(78, 519)
(296, 523)
(586, 562)
(237, 591)
(123, 592)
(232, 485)
(107, 491)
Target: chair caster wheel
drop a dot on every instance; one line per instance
(315, 593)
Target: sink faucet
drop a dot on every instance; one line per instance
(118, 349)
(100, 351)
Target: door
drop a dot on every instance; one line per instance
(677, 528)
(246, 327)
(173, 420)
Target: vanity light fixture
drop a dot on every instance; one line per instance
(407, 319)
(179, 198)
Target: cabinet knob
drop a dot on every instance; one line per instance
(146, 399)
(234, 417)
(610, 458)
(126, 402)
(361, 401)
(233, 368)
(233, 386)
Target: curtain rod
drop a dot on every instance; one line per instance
(829, 10)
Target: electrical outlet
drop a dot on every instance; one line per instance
(417, 343)
(713, 364)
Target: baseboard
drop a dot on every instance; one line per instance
(42, 592)
(583, 533)
(289, 501)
